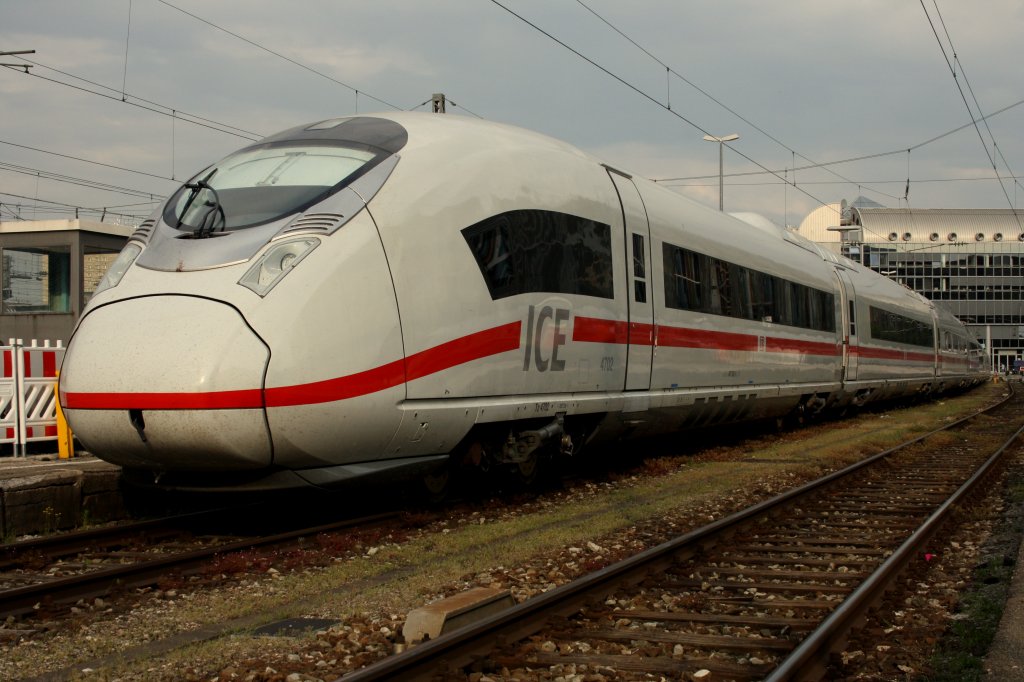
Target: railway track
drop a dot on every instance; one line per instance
(766, 593)
(56, 571)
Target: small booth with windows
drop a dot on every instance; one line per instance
(48, 271)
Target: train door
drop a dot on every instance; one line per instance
(639, 293)
(848, 304)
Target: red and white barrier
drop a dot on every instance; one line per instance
(28, 406)
(8, 386)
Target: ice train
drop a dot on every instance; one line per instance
(379, 295)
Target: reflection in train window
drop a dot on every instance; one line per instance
(890, 326)
(710, 285)
(543, 251)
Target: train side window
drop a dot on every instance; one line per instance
(639, 269)
(704, 284)
(709, 279)
(764, 302)
(853, 318)
(814, 311)
(542, 251)
(723, 280)
(639, 262)
(640, 291)
(741, 299)
(782, 294)
(682, 278)
(801, 306)
(827, 311)
(890, 326)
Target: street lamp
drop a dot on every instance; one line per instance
(721, 177)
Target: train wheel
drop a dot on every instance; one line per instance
(527, 472)
(436, 485)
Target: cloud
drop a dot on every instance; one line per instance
(826, 80)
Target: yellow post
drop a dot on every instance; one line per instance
(65, 439)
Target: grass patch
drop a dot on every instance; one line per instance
(961, 654)
(403, 575)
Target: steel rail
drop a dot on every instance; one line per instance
(61, 544)
(809, 656)
(463, 646)
(23, 599)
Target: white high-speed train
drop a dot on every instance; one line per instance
(379, 295)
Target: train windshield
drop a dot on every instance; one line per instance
(261, 184)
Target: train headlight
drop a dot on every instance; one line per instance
(120, 266)
(277, 262)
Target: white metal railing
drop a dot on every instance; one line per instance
(28, 404)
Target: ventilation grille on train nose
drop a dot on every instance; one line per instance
(143, 231)
(326, 222)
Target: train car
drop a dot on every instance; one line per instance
(386, 295)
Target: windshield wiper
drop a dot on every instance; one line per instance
(195, 187)
(208, 220)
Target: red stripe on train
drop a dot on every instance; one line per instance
(891, 354)
(595, 330)
(250, 398)
(459, 351)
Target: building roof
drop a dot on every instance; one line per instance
(919, 225)
(815, 225)
(939, 224)
(23, 226)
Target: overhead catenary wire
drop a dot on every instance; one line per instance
(705, 93)
(970, 89)
(11, 212)
(646, 95)
(172, 112)
(963, 96)
(48, 202)
(786, 177)
(654, 100)
(861, 189)
(765, 170)
(82, 182)
(127, 39)
(156, 107)
(297, 63)
(449, 101)
(850, 159)
(149, 106)
(95, 163)
(813, 164)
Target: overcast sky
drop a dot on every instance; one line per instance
(829, 80)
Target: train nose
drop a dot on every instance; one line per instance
(168, 383)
